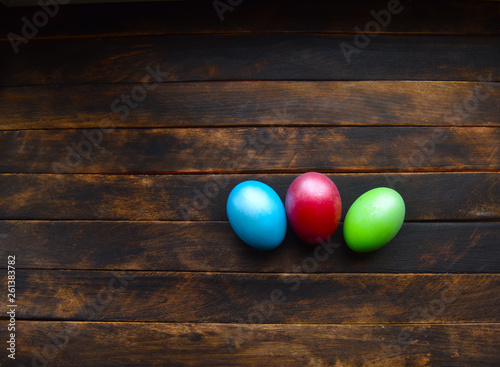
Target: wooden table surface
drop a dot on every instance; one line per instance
(124, 127)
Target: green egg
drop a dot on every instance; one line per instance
(374, 219)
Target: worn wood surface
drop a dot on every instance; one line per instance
(192, 17)
(213, 246)
(229, 297)
(250, 149)
(428, 196)
(361, 103)
(113, 343)
(158, 344)
(249, 57)
(121, 234)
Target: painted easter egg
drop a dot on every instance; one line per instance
(257, 215)
(313, 207)
(374, 219)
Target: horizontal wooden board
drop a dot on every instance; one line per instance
(213, 246)
(361, 103)
(232, 297)
(190, 17)
(159, 344)
(249, 57)
(250, 149)
(428, 196)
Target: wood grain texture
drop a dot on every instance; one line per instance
(428, 196)
(124, 256)
(250, 149)
(192, 17)
(249, 57)
(159, 344)
(213, 246)
(257, 298)
(363, 103)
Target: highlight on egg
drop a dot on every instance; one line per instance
(374, 219)
(313, 207)
(257, 215)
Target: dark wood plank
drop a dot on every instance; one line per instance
(249, 57)
(230, 297)
(361, 103)
(428, 196)
(213, 246)
(250, 149)
(190, 17)
(159, 344)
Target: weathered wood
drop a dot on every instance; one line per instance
(410, 100)
(428, 196)
(191, 17)
(213, 246)
(249, 57)
(250, 149)
(231, 297)
(362, 103)
(113, 344)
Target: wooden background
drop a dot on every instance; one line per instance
(116, 212)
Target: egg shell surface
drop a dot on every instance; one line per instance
(374, 219)
(257, 215)
(313, 207)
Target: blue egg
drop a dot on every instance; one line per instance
(257, 215)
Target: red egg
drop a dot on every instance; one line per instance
(313, 207)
